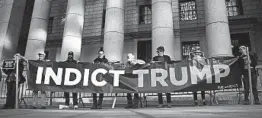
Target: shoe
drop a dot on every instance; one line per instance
(129, 106)
(246, 103)
(204, 102)
(4, 107)
(99, 106)
(160, 106)
(75, 106)
(94, 107)
(257, 103)
(7, 107)
(196, 103)
(169, 105)
(135, 106)
(63, 107)
(34, 107)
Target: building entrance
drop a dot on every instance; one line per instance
(144, 50)
(240, 39)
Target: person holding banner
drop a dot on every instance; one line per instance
(11, 83)
(101, 59)
(70, 60)
(243, 62)
(42, 100)
(131, 62)
(166, 59)
(198, 60)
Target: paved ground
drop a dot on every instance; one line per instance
(237, 111)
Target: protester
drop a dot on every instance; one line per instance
(131, 61)
(42, 100)
(70, 60)
(101, 59)
(198, 60)
(11, 83)
(163, 58)
(243, 62)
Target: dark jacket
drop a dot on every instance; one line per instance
(71, 64)
(71, 61)
(253, 58)
(166, 59)
(101, 60)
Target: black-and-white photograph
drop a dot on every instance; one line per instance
(130, 58)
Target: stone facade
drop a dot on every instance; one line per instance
(192, 30)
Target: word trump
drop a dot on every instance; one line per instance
(160, 76)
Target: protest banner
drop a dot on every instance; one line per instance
(148, 78)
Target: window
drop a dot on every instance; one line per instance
(145, 14)
(234, 7)
(50, 25)
(187, 48)
(187, 10)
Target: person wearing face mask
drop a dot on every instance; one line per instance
(70, 60)
(243, 62)
(161, 57)
(101, 59)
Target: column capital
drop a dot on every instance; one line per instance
(156, 1)
(115, 4)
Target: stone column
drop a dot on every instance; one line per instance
(114, 30)
(72, 37)
(5, 12)
(217, 28)
(177, 37)
(11, 15)
(162, 27)
(38, 29)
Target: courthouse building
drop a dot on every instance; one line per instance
(128, 26)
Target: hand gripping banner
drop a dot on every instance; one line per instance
(148, 78)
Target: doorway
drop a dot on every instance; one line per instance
(238, 40)
(144, 50)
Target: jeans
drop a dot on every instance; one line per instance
(66, 95)
(160, 98)
(254, 85)
(202, 95)
(130, 100)
(11, 97)
(41, 101)
(100, 100)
